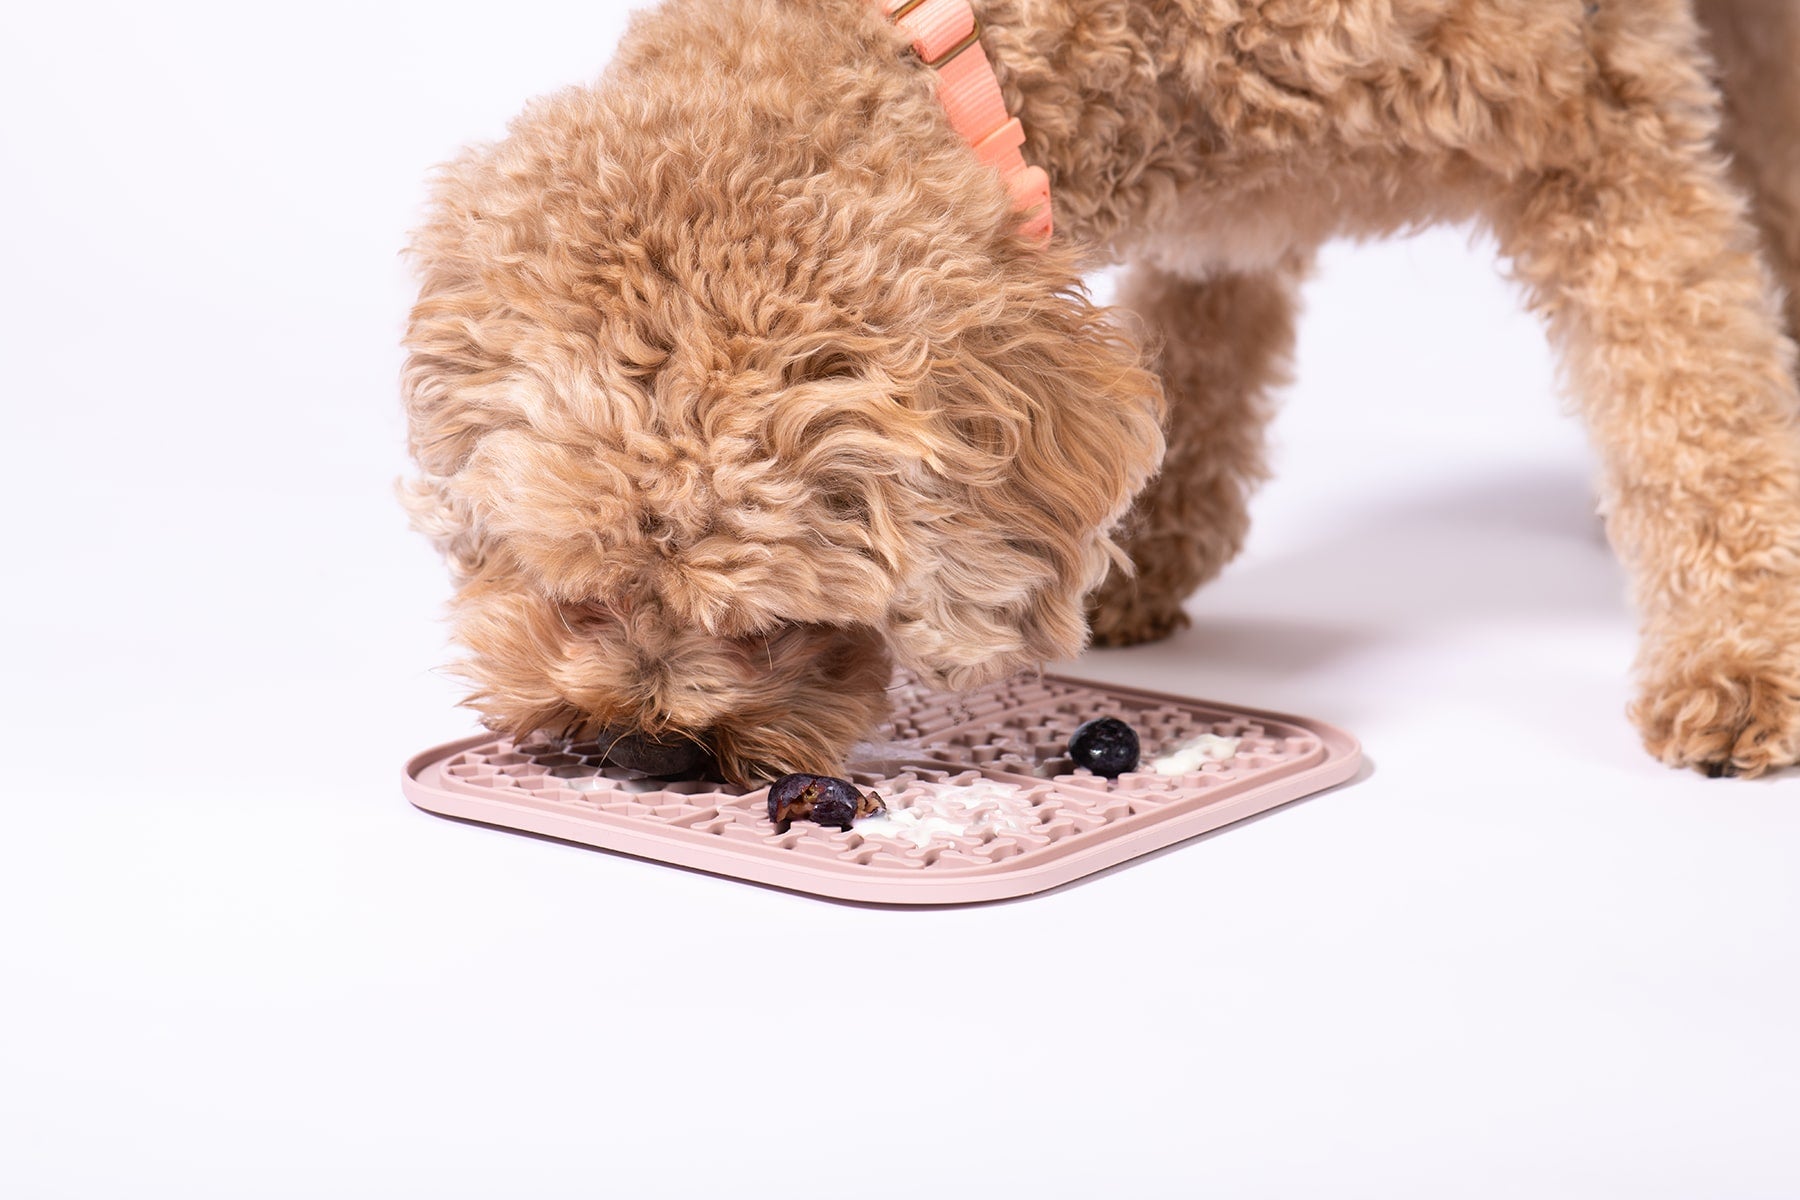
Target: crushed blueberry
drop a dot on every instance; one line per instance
(822, 798)
(1106, 746)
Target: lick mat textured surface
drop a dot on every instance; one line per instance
(983, 801)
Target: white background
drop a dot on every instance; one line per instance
(1517, 958)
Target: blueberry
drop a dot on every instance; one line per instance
(1106, 746)
(837, 803)
(791, 799)
(823, 798)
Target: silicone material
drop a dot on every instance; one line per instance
(1009, 733)
(947, 37)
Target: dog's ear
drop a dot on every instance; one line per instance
(1048, 423)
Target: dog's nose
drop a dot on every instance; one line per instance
(637, 751)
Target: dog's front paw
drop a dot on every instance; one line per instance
(1724, 718)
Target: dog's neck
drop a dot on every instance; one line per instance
(946, 35)
(1086, 81)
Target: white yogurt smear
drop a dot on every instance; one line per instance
(1192, 753)
(936, 810)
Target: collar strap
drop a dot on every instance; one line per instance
(947, 36)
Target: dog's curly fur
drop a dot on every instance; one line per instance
(732, 385)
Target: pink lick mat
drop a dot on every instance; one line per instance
(983, 800)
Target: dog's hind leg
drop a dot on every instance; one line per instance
(1639, 252)
(1222, 344)
(1757, 45)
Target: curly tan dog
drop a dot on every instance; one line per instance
(734, 382)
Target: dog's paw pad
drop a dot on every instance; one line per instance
(1723, 721)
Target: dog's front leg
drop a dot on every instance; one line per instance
(1223, 343)
(1638, 250)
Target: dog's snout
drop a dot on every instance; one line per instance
(660, 756)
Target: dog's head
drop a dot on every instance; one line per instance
(732, 386)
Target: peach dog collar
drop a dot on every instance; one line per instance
(947, 36)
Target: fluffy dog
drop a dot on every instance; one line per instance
(732, 383)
